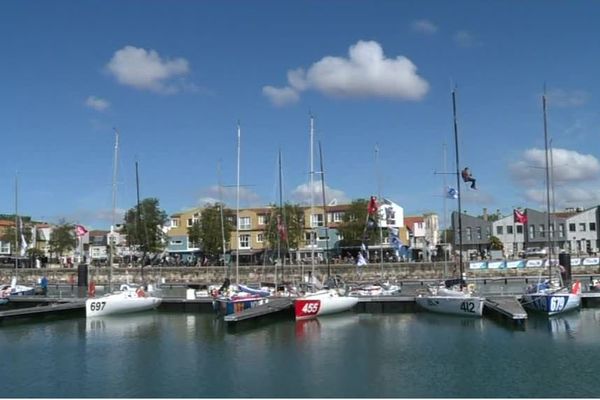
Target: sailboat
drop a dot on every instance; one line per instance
(129, 298)
(6, 291)
(331, 299)
(233, 299)
(551, 297)
(452, 296)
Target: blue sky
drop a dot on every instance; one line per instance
(175, 78)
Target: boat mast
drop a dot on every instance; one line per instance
(444, 148)
(380, 202)
(325, 213)
(460, 233)
(310, 220)
(237, 207)
(224, 243)
(549, 240)
(281, 221)
(114, 207)
(16, 222)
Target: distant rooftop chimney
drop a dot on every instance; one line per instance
(485, 214)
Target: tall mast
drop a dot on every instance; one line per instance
(237, 207)
(281, 221)
(224, 243)
(312, 173)
(444, 148)
(460, 232)
(114, 207)
(380, 202)
(325, 212)
(16, 222)
(549, 240)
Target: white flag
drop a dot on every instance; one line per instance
(361, 260)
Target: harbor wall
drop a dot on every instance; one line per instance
(253, 274)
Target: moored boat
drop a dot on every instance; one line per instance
(7, 291)
(322, 302)
(128, 299)
(449, 298)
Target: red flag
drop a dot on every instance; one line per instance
(520, 217)
(372, 207)
(281, 229)
(80, 230)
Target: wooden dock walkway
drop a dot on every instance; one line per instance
(508, 307)
(44, 310)
(272, 307)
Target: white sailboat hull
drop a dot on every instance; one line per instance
(470, 306)
(551, 303)
(119, 303)
(323, 302)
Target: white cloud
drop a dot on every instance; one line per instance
(424, 26)
(97, 103)
(575, 177)
(248, 198)
(564, 98)
(466, 39)
(365, 73)
(281, 96)
(146, 70)
(302, 193)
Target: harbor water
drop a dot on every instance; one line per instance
(176, 354)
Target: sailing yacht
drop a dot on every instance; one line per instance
(453, 296)
(551, 297)
(129, 298)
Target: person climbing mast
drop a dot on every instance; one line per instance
(467, 177)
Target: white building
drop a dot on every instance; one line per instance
(511, 234)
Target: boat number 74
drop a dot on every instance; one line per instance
(467, 306)
(97, 305)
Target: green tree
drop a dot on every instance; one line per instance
(496, 243)
(62, 238)
(144, 229)
(292, 217)
(353, 224)
(207, 232)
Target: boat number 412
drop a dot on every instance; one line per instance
(97, 305)
(467, 306)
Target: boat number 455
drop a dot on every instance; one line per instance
(97, 305)
(311, 307)
(467, 306)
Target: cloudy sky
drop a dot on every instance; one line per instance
(176, 78)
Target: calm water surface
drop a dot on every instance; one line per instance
(162, 354)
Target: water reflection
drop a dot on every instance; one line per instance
(131, 325)
(564, 326)
(328, 325)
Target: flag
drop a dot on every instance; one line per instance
(372, 207)
(361, 260)
(395, 238)
(364, 247)
(451, 193)
(281, 229)
(520, 217)
(80, 230)
(23, 241)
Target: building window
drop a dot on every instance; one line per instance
(176, 242)
(260, 237)
(174, 222)
(509, 229)
(520, 229)
(561, 230)
(571, 227)
(478, 233)
(316, 220)
(531, 231)
(542, 232)
(551, 230)
(244, 222)
(190, 222)
(582, 227)
(592, 226)
(244, 241)
(499, 230)
(262, 219)
(469, 236)
(307, 238)
(4, 247)
(336, 217)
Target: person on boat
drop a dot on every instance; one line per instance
(467, 177)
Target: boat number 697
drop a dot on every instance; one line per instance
(97, 305)
(467, 306)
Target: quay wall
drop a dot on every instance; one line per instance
(253, 274)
